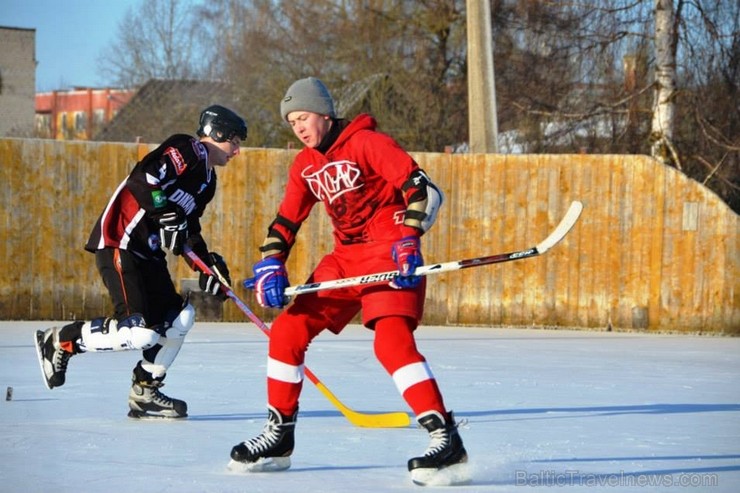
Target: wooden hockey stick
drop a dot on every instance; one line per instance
(562, 229)
(375, 420)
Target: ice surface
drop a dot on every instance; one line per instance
(546, 411)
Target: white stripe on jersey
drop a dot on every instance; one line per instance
(130, 227)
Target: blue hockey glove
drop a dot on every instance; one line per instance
(406, 252)
(269, 282)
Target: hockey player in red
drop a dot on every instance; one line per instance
(157, 207)
(380, 204)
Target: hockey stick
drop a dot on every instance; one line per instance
(381, 420)
(562, 229)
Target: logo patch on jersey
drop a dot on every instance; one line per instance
(200, 150)
(159, 199)
(176, 159)
(184, 200)
(155, 242)
(334, 180)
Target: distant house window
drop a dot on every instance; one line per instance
(80, 121)
(43, 125)
(98, 118)
(66, 128)
(98, 121)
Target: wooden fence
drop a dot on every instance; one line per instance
(653, 250)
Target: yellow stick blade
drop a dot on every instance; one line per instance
(365, 420)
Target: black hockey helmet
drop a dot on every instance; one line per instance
(221, 124)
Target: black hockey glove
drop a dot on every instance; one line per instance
(173, 230)
(211, 284)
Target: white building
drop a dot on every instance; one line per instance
(17, 81)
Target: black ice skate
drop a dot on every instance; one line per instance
(443, 463)
(268, 451)
(52, 358)
(146, 401)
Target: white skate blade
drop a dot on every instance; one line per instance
(455, 475)
(264, 464)
(145, 416)
(39, 341)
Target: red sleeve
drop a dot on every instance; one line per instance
(388, 158)
(394, 164)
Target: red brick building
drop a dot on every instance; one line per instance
(79, 113)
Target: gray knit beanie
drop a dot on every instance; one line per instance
(309, 94)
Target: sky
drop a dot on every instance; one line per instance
(70, 36)
(542, 411)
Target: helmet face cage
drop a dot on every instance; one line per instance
(221, 124)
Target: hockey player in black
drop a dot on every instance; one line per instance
(156, 208)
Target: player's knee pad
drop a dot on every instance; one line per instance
(159, 358)
(106, 334)
(182, 323)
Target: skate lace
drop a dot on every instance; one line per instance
(61, 359)
(158, 396)
(266, 440)
(440, 440)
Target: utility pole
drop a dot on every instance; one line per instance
(482, 125)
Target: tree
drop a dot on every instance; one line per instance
(652, 77)
(412, 51)
(158, 39)
(657, 77)
(664, 110)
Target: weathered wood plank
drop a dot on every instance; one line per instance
(650, 242)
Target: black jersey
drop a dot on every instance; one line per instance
(174, 174)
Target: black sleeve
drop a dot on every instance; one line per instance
(161, 166)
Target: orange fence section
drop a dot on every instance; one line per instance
(653, 250)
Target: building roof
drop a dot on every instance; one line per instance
(18, 28)
(161, 108)
(350, 97)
